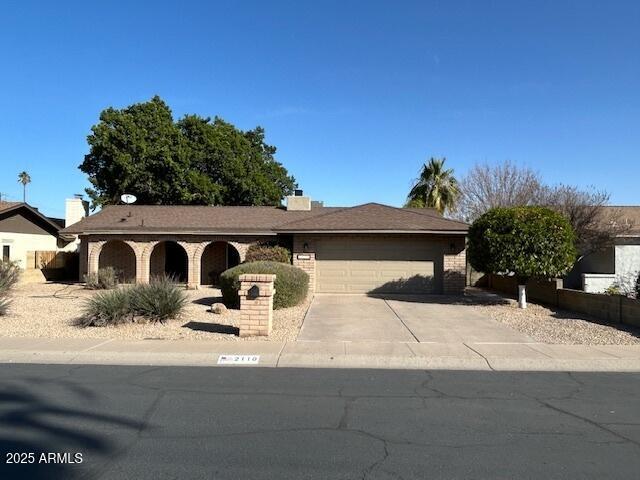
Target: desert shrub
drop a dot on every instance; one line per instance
(104, 279)
(291, 284)
(159, 300)
(9, 276)
(108, 308)
(268, 253)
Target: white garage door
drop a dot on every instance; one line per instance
(377, 265)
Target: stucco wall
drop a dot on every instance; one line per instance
(21, 243)
(598, 262)
(627, 261)
(597, 282)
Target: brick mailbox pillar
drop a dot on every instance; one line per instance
(256, 303)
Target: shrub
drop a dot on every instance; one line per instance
(159, 300)
(268, 253)
(292, 284)
(637, 287)
(109, 308)
(613, 289)
(9, 276)
(104, 279)
(528, 242)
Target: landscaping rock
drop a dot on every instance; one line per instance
(219, 308)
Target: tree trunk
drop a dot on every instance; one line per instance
(522, 296)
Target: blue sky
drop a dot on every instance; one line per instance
(355, 95)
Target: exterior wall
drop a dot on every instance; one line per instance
(25, 233)
(599, 262)
(21, 243)
(597, 282)
(144, 245)
(618, 264)
(450, 268)
(627, 265)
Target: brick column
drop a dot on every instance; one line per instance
(143, 270)
(455, 267)
(94, 248)
(305, 258)
(256, 304)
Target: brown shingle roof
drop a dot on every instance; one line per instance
(189, 218)
(8, 205)
(206, 219)
(375, 217)
(629, 215)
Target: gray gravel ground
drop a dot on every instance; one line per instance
(50, 310)
(551, 325)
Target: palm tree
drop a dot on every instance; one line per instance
(24, 178)
(436, 187)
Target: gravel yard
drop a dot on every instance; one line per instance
(550, 325)
(50, 310)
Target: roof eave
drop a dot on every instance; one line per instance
(170, 232)
(437, 232)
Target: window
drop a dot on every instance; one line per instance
(6, 253)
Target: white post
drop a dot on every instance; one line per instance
(522, 296)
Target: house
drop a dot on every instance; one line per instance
(366, 248)
(24, 231)
(618, 264)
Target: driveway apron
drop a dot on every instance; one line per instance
(352, 318)
(444, 322)
(438, 319)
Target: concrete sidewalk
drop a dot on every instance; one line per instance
(400, 355)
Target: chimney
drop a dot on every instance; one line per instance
(298, 202)
(75, 209)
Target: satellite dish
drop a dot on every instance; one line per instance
(128, 198)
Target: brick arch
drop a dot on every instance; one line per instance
(211, 260)
(241, 248)
(122, 256)
(168, 261)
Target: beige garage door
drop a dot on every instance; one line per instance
(378, 265)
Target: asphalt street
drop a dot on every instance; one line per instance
(262, 423)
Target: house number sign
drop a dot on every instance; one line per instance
(238, 359)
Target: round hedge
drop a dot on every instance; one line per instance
(527, 242)
(291, 284)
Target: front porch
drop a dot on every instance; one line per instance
(193, 261)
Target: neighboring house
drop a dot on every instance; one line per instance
(618, 264)
(24, 230)
(366, 248)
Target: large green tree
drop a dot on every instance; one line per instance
(194, 161)
(525, 242)
(436, 187)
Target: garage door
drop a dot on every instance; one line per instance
(377, 265)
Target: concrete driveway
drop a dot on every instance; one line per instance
(430, 318)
